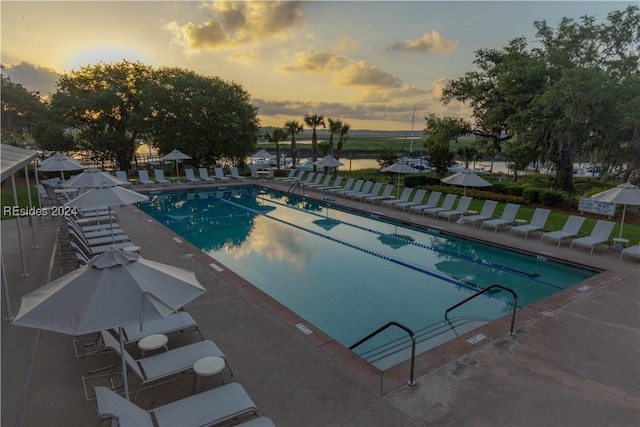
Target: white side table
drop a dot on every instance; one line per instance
(618, 243)
(152, 342)
(206, 367)
(520, 221)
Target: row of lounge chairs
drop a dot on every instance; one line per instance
(368, 191)
(204, 177)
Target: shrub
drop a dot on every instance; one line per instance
(532, 194)
(499, 187)
(550, 197)
(514, 189)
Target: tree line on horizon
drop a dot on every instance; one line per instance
(575, 92)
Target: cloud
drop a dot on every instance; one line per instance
(363, 73)
(316, 62)
(249, 57)
(233, 24)
(405, 92)
(438, 85)
(347, 44)
(32, 77)
(427, 43)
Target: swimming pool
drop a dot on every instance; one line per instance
(348, 273)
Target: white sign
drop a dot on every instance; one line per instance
(598, 207)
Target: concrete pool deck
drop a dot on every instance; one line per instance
(573, 360)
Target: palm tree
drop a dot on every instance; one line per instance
(334, 127)
(275, 137)
(344, 134)
(314, 121)
(291, 129)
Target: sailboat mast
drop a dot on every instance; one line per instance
(413, 118)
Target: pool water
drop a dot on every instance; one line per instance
(348, 273)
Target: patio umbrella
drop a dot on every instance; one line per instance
(466, 178)
(107, 195)
(328, 162)
(112, 290)
(92, 178)
(625, 194)
(399, 168)
(176, 155)
(60, 163)
(262, 154)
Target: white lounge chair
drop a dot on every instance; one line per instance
(357, 186)
(336, 183)
(156, 369)
(143, 175)
(447, 205)
(538, 221)
(631, 251)
(600, 234)
(313, 180)
(404, 197)
(292, 176)
(486, 212)
(188, 173)
(508, 216)
(178, 321)
(366, 188)
(219, 175)
(235, 174)
(211, 407)
(159, 176)
(204, 175)
(416, 200)
(347, 186)
(386, 195)
(374, 191)
(571, 228)
(324, 182)
(122, 176)
(461, 209)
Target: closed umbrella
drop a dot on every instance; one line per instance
(466, 178)
(262, 154)
(92, 178)
(60, 163)
(176, 155)
(328, 162)
(624, 194)
(399, 168)
(112, 290)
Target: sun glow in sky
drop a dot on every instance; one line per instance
(367, 63)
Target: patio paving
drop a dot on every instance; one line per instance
(572, 362)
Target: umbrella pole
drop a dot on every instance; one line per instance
(113, 239)
(624, 208)
(124, 364)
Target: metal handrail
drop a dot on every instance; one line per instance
(297, 184)
(411, 381)
(515, 303)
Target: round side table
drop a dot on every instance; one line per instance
(520, 221)
(152, 342)
(206, 367)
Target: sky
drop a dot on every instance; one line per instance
(370, 64)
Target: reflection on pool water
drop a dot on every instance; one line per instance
(349, 273)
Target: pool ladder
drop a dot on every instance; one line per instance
(482, 291)
(296, 185)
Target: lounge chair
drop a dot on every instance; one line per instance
(178, 321)
(122, 176)
(235, 174)
(188, 173)
(347, 186)
(486, 213)
(570, 228)
(366, 187)
(538, 221)
(204, 175)
(600, 234)
(417, 200)
(461, 209)
(322, 183)
(292, 176)
(386, 195)
(336, 183)
(219, 175)
(508, 216)
(447, 205)
(159, 176)
(211, 407)
(631, 251)
(404, 197)
(357, 186)
(313, 179)
(143, 175)
(375, 190)
(156, 369)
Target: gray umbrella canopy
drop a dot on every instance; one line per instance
(399, 168)
(262, 154)
(328, 162)
(176, 155)
(624, 194)
(60, 163)
(92, 178)
(114, 289)
(466, 178)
